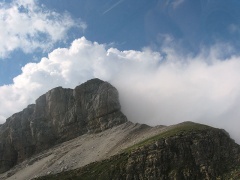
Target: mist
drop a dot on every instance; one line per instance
(204, 88)
(155, 87)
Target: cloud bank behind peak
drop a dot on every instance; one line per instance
(154, 88)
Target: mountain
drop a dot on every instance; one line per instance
(186, 151)
(81, 133)
(58, 116)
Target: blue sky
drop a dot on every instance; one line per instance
(136, 24)
(172, 60)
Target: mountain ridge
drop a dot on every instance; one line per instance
(185, 151)
(58, 116)
(82, 133)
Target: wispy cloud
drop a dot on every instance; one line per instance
(177, 3)
(113, 6)
(27, 25)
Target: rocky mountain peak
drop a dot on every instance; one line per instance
(95, 141)
(59, 115)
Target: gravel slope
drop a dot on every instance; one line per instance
(82, 150)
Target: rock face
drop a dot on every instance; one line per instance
(205, 154)
(188, 151)
(59, 115)
(184, 151)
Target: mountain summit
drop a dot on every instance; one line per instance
(81, 133)
(59, 115)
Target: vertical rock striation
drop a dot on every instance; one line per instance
(59, 115)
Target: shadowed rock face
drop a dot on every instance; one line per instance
(59, 115)
(205, 154)
(185, 152)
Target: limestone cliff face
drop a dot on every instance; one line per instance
(59, 115)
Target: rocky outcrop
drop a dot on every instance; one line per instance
(187, 151)
(204, 154)
(183, 151)
(59, 115)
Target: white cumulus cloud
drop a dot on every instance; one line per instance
(154, 89)
(27, 25)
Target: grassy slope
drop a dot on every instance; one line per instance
(173, 131)
(101, 170)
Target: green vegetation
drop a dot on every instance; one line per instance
(179, 129)
(115, 167)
